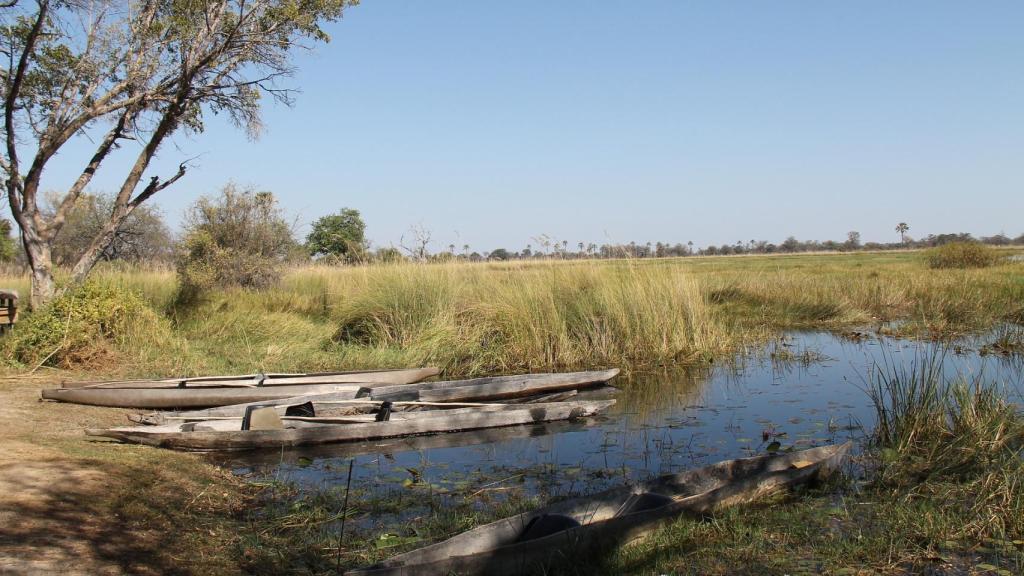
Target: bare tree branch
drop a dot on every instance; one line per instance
(10, 102)
(90, 170)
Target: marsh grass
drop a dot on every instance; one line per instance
(475, 319)
(961, 255)
(955, 440)
(811, 532)
(1006, 340)
(85, 327)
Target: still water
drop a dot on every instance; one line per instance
(805, 390)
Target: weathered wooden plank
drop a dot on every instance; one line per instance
(239, 408)
(444, 422)
(320, 402)
(556, 397)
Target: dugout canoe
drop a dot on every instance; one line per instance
(371, 377)
(201, 397)
(336, 412)
(591, 526)
(493, 387)
(211, 435)
(271, 459)
(329, 404)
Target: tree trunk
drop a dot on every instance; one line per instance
(95, 250)
(41, 265)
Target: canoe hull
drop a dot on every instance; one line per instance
(254, 439)
(493, 387)
(170, 398)
(375, 377)
(272, 458)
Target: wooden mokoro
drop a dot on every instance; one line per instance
(300, 455)
(188, 436)
(493, 387)
(350, 410)
(379, 377)
(324, 404)
(588, 527)
(170, 398)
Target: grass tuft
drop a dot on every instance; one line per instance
(957, 441)
(961, 255)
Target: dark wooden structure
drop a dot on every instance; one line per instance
(8, 309)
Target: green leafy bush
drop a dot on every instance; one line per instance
(961, 255)
(239, 238)
(340, 237)
(84, 327)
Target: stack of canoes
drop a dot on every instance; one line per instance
(273, 410)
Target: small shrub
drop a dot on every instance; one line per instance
(84, 327)
(961, 255)
(239, 238)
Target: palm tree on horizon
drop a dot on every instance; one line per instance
(902, 228)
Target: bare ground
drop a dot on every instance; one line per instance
(72, 505)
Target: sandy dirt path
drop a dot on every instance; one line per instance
(71, 505)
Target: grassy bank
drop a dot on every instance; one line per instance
(472, 319)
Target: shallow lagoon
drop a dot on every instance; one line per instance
(804, 390)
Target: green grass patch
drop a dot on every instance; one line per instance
(87, 327)
(961, 255)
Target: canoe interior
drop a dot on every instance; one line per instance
(607, 519)
(334, 404)
(326, 414)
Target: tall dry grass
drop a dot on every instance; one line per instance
(474, 319)
(505, 317)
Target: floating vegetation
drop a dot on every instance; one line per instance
(1005, 341)
(783, 352)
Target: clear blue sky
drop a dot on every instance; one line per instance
(493, 122)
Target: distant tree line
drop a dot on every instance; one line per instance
(240, 236)
(561, 250)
